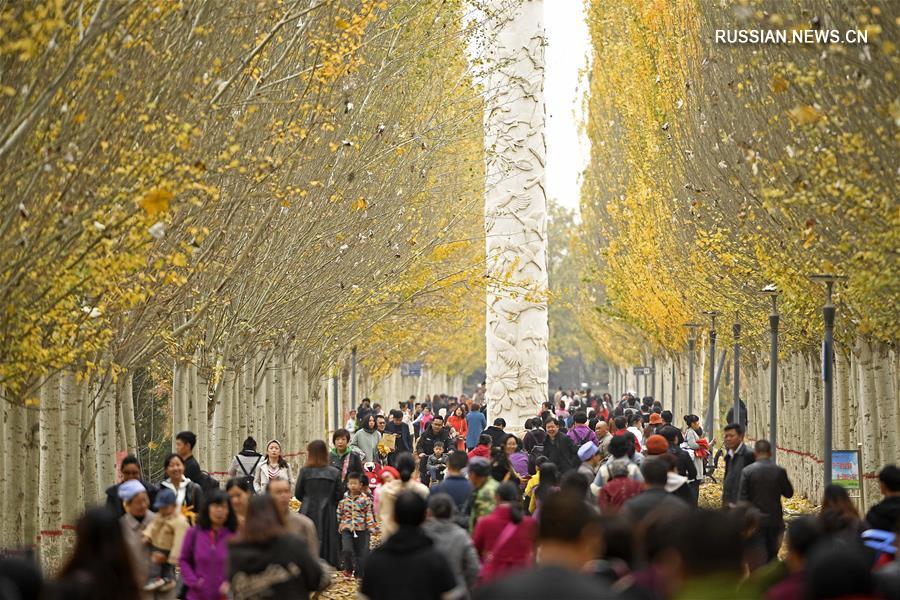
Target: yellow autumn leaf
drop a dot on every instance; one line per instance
(179, 260)
(805, 114)
(341, 23)
(80, 118)
(156, 201)
(779, 84)
(360, 204)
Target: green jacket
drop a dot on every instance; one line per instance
(483, 502)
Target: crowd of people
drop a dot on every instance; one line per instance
(597, 499)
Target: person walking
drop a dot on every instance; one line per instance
(204, 551)
(274, 467)
(455, 484)
(100, 566)
(476, 423)
(559, 448)
(264, 561)
(367, 438)
(452, 542)
(188, 495)
(737, 457)
(762, 484)
(245, 462)
(403, 438)
(535, 434)
(693, 437)
(406, 466)
(319, 489)
(342, 456)
(503, 538)
(589, 455)
(356, 522)
(435, 433)
(604, 437)
(296, 523)
(654, 497)
(886, 514)
(131, 471)
(484, 490)
(564, 544)
(457, 422)
(580, 432)
(137, 518)
(239, 490)
(407, 566)
(164, 536)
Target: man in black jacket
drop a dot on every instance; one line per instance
(425, 446)
(654, 497)
(403, 441)
(684, 464)
(886, 514)
(184, 447)
(737, 456)
(407, 565)
(498, 436)
(762, 484)
(559, 448)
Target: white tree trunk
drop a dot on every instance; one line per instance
(50, 496)
(105, 428)
(515, 214)
(72, 478)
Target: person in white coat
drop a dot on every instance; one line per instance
(274, 467)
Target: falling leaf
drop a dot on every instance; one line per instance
(157, 231)
(779, 84)
(341, 23)
(156, 201)
(179, 260)
(80, 118)
(360, 204)
(805, 114)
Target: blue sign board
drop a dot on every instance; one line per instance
(845, 468)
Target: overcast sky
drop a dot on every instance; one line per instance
(567, 54)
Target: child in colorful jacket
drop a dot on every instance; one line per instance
(356, 521)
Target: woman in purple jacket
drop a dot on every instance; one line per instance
(204, 552)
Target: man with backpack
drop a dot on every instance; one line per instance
(580, 432)
(185, 441)
(245, 461)
(619, 467)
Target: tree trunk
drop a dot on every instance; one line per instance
(50, 496)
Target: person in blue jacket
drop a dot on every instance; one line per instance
(476, 423)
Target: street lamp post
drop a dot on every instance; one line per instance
(736, 330)
(712, 314)
(772, 292)
(692, 344)
(827, 364)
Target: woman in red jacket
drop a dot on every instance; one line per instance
(458, 422)
(504, 538)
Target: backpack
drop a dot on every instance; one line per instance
(207, 482)
(616, 491)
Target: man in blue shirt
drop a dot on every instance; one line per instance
(476, 423)
(455, 484)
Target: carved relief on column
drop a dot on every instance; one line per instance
(515, 215)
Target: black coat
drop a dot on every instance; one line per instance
(885, 515)
(763, 483)
(731, 485)
(562, 452)
(319, 489)
(545, 582)
(684, 463)
(638, 507)
(407, 567)
(353, 462)
(428, 439)
(252, 565)
(498, 437)
(404, 439)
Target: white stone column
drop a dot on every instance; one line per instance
(516, 213)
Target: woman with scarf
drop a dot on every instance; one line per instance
(366, 440)
(274, 467)
(342, 457)
(694, 439)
